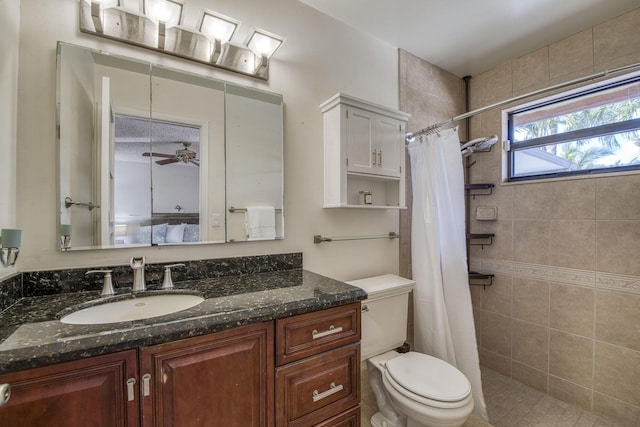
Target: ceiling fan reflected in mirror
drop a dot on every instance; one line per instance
(183, 155)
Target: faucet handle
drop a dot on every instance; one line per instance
(138, 262)
(167, 282)
(107, 286)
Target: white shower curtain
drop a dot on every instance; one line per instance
(443, 316)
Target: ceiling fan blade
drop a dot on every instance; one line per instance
(167, 161)
(195, 162)
(168, 156)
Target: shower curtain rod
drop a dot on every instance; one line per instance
(436, 126)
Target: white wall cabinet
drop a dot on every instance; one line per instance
(363, 151)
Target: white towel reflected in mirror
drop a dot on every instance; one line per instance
(260, 222)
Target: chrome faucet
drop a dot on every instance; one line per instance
(137, 264)
(167, 282)
(107, 286)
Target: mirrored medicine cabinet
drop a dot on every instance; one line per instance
(150, 155)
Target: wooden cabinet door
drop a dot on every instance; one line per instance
(89, 392)
(225, 379)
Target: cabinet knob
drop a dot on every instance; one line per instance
(5, 393)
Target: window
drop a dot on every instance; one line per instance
(596, 130)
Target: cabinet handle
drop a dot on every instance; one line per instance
(130, 391)
(373, 157)
(379, 157)
(5, 393)
(333, 388)
(332, 330)
(146, 384)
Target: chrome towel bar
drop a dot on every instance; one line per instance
(319, 239)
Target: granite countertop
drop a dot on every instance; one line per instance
(31, 334)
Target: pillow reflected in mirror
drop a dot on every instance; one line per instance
(191, 233)
(175, 233)
(152, 234)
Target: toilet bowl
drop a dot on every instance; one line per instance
(411, 389)
(427, 390)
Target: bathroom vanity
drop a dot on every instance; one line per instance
(276, 348)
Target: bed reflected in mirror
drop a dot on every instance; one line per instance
(174, 157)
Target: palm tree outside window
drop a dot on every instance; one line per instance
(594, 131)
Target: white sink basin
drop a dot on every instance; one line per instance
(142, 307)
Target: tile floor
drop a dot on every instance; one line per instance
(511, 404)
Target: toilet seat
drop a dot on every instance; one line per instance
(427, 380)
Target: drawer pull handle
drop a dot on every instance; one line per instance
(5, 393)
(333, 388)
(146, 384)
(130, 392)
(332, 330)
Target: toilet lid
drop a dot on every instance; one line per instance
(429, 377)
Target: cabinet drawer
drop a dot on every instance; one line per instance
(312, 333)
(318, 388)
(351, 418)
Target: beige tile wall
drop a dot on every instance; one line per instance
(431, 95)
(563, 314)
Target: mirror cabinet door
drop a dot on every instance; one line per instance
(93, 89)
(189, 162)
(254, 164)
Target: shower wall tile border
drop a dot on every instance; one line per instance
(618, 282)
(585, 278)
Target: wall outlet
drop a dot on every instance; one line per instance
(216, 220)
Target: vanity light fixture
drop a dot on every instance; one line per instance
(158, 25)
(165, 14)
(263, 44)
(97, 7)
(168, 12)
(10, 242)
(219, 29)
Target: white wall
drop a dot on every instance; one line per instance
(320, 57)
(10, 24)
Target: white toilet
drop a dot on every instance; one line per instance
(411, 389)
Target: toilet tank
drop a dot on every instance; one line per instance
(384, 313)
